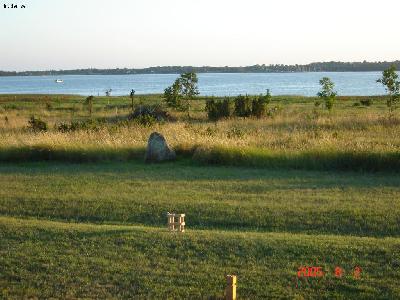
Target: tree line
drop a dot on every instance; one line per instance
(333, 66)
(184, 89)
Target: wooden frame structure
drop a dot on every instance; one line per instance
(176, 222)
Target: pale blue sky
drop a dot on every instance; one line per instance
(67, 34)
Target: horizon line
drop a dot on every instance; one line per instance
(203, 66)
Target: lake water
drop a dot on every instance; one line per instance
(218, 84)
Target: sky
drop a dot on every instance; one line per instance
(69, 34)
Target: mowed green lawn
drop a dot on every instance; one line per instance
(98, 231)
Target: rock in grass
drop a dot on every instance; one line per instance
(158, 150)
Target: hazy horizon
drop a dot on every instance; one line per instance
(194, 66)
(137, 34)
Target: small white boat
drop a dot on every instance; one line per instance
(59, 81)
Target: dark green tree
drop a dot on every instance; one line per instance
(189, 83)
(173, 96)
(259, 105)
(179, 94)
(327, 94)
(218, 109)
(392, 85)
(211, 109)
(243, 106)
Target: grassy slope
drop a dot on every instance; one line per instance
(49, 258)
(43, 258)
(212, 197)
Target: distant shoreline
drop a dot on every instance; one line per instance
(105, 74)
(277, 68)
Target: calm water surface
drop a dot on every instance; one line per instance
(218, 84)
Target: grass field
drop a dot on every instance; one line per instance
(81, 216)
(295, 135)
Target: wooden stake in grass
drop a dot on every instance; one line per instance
(230, 292)
(174, 225)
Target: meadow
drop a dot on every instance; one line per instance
(82, 216)
(295, 134)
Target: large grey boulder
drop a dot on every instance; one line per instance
(158, 150)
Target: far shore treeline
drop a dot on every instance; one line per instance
(332, 66)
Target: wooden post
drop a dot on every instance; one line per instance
(230, 287)
(171, 223)
(182, 223)
(176, 224)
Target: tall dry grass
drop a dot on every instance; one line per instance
(293, 132)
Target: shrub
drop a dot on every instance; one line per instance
(243, 106)
(218, 109)
(226, 108)
(327, 93)
(145, 120)
(211, 109)
(36, 124)
(83, 125)
(259, 105)
(73, 126)
(63, 127)
(144, 112)
(173, 96)
(184, 88)
(10, 107)
(366, 102)
(392, 85)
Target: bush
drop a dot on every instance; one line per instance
(184, 88)
(36, 124)
(83, 125)
(145, 120)
(211, 109)
(149, 111)
(327, 94)
(218, 109)
(226, 108)
(259, 105)
(73, 126)
(243, 106)
(366, 102)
